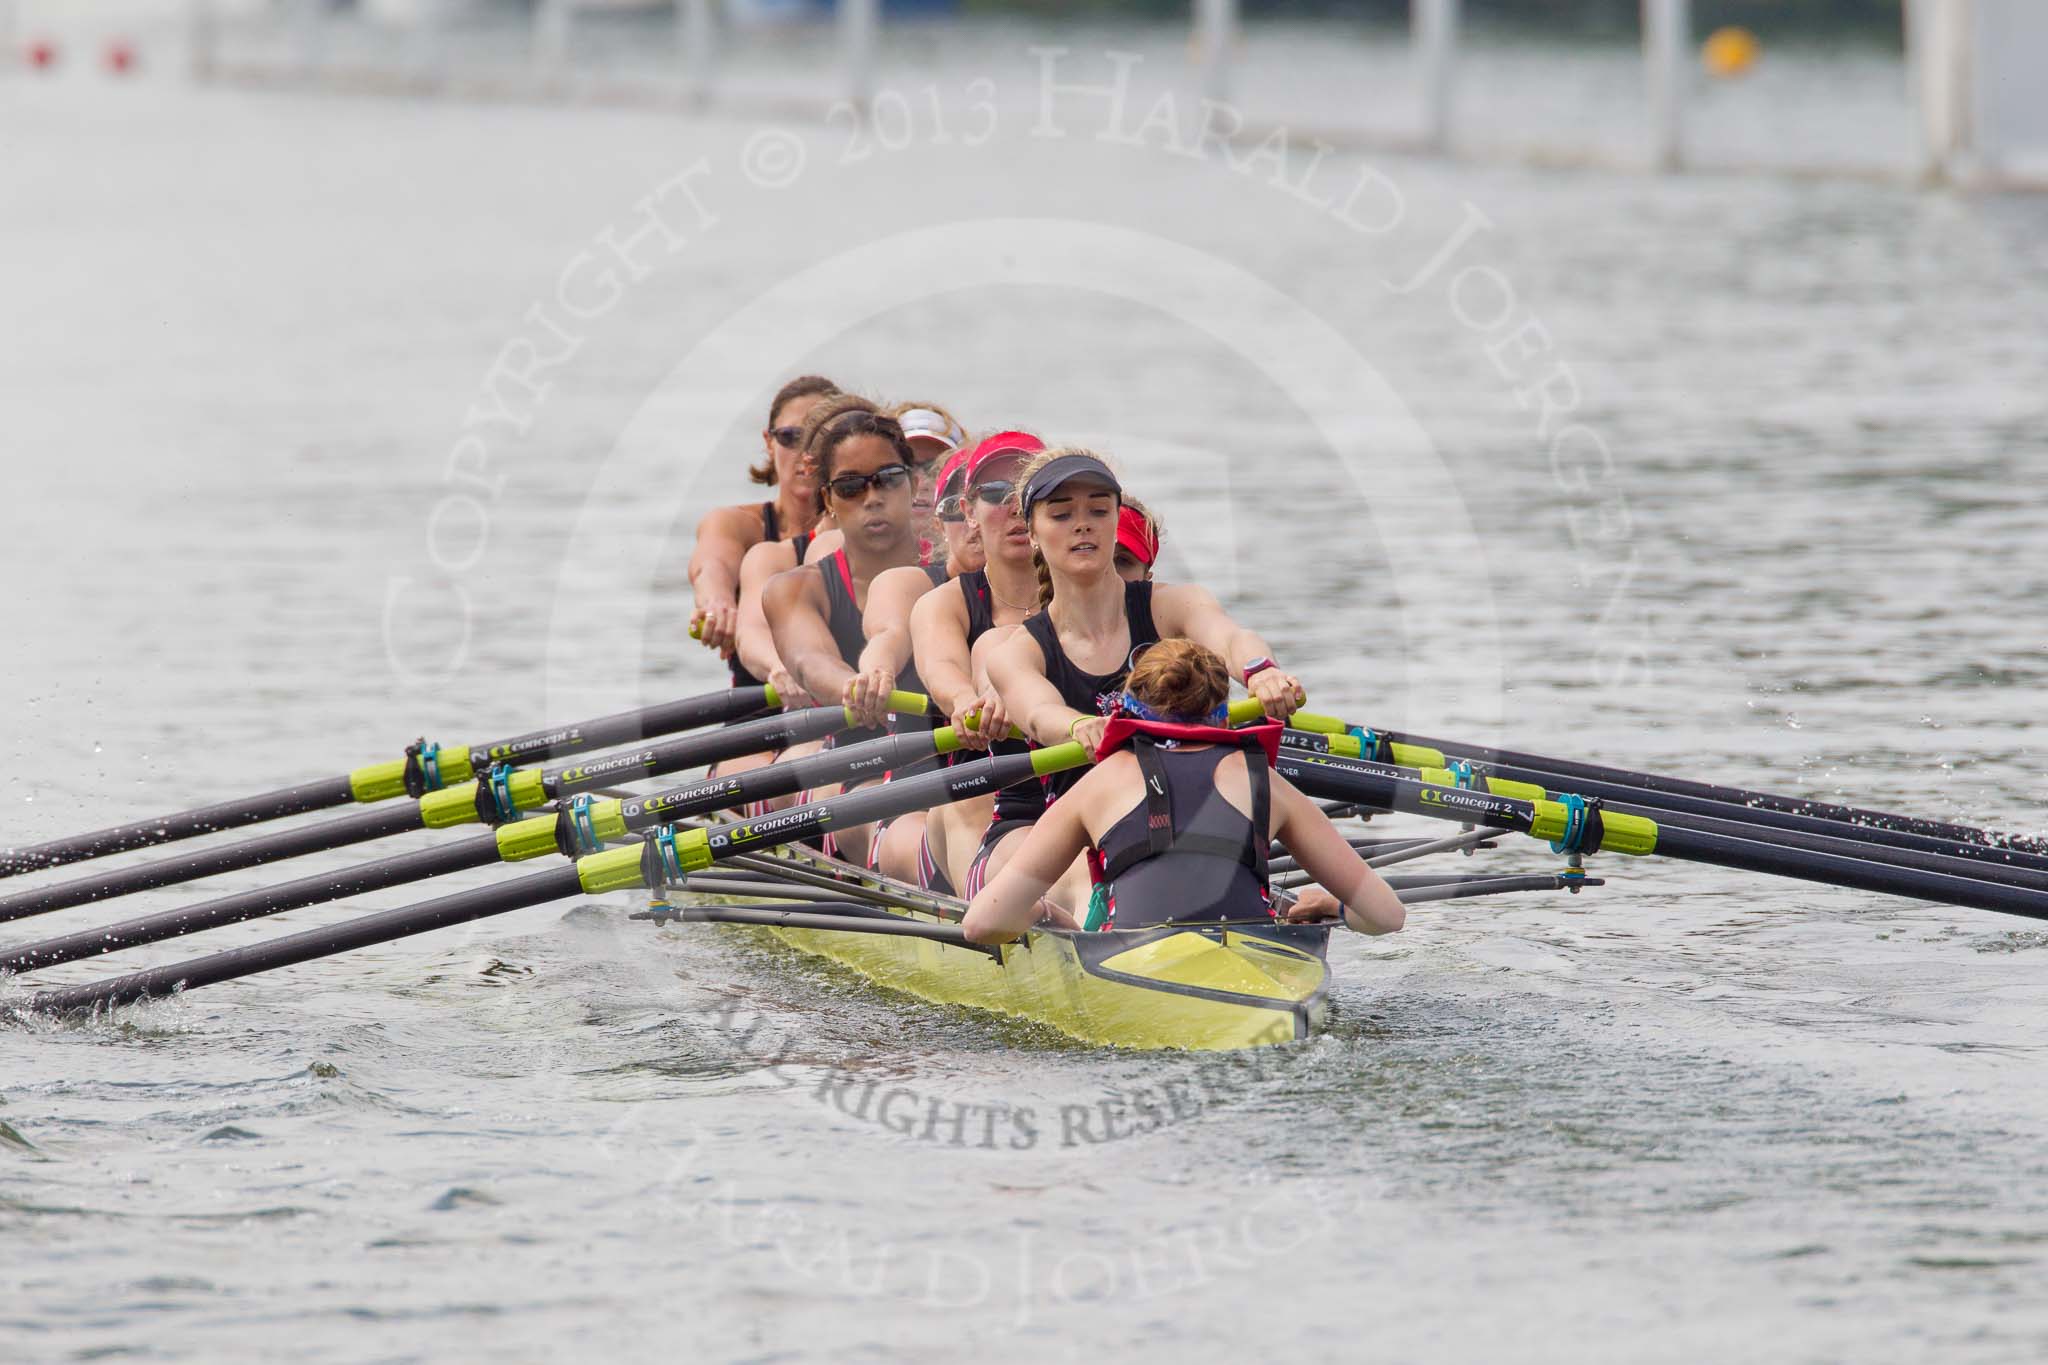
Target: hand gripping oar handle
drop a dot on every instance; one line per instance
(383, 781)
(665, 858)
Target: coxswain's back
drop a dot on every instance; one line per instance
(1185, 853)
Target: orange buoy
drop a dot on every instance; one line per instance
(1730, 52)
(120, 57)
(42, 54)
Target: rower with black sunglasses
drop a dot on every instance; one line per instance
(941, 631)
(725, 534)
(815, 611)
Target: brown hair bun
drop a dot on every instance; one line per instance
(1181, 679)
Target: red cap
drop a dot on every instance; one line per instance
(1002, 443)
(956, 463)
(1135, 533)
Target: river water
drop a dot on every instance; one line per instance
(331, 422)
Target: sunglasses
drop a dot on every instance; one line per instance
(853, 485)
(952, 507)
(787, 437)
(994, 491)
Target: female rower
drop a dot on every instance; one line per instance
(755, 641)
(962, 540)
(1179, 812)
(815, 611)
(933, 434)
(939, 629)
(1061, 673)
(725, 534)
(1137, 540)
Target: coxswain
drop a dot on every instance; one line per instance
(1177, 818)
(1061, 674)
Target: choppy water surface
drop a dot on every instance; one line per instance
(1693, 1113)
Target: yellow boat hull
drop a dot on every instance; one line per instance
(1201, 987)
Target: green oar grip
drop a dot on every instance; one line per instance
(1057, 758)
(535, 838)
(903, 704)
(1631, 834)
(378, 781)
(619, 869)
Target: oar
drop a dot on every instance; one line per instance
(572, 829)
(498, 795)
(1575, 827)
(1421, 751)
(807, 917)
(1973, 861)
(665, 859)
(425, 768)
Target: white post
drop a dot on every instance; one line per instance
(1433, 27)
(551, 34)
(305, 34)
(858, 20)
(1667, 34)
(1214, 37)
(697, 27)
(201, 31)
(1937, 50)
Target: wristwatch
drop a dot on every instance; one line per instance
(1258, 665)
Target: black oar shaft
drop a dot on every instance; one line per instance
(1366, 783)
(377, 823)
(325, 794)
(1768, 822)
(398, 817)
(594, 875)
(1861, 874)
(836, 921)
(585, 736)
(383, 927)
(639, 814)
(271, 900)
(1754, 800)
(1846, 844)
(664, 718)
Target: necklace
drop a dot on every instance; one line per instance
(1001, 601)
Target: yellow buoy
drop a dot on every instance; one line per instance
(1730, 52)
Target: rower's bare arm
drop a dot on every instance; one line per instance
(1370, 905)
(1017, 669)
(756, 642)
(1014, 899)
(886, 618)
(794, 603)
(724, 536)
(1185, 609)
(938, 644)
